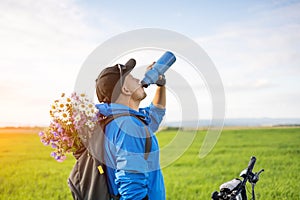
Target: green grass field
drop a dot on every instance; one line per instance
(28, 172)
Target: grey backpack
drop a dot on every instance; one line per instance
(87, 180)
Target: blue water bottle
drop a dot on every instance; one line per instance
(159, 68)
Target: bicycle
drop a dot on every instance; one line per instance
(236, 188)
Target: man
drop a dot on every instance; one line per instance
(131, 173)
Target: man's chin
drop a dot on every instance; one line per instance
(144, 95)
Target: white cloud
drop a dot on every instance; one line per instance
(43, 44)
(247, 86)
(257, 58)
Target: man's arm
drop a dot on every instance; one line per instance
(159, 99)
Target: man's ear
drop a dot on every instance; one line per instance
(126, 91)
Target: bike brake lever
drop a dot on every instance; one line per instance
(256, 176)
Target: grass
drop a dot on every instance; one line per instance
(28, 172)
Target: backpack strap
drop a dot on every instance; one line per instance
(148, 143)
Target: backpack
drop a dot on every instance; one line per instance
(87, 180)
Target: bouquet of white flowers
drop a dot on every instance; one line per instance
(70, 115)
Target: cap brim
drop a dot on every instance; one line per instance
(130, 64)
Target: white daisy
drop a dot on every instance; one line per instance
(61, 104)
(75, 105)
(77, 118)
(68, 101)
(90, 124)
(82, 97)
(64, 116)
(88, 113)
(93, 112)
(82, 107)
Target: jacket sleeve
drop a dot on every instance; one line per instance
(131, 166)
(156, 114)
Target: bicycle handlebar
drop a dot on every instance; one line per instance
(251, 164)
(248, 176)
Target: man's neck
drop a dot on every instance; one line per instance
(134, 105)
(129, 102)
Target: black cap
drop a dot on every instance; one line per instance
(108, 84)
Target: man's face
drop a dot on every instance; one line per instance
(134, 86)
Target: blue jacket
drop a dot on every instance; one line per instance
(129, 173)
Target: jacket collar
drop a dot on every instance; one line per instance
(113, 109)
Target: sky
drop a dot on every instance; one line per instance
(254, 45)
